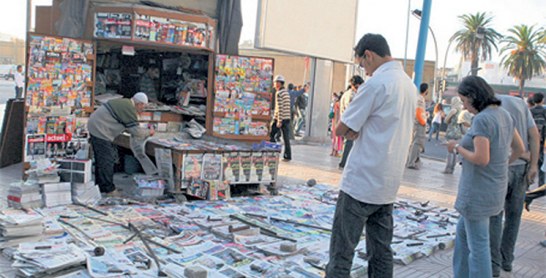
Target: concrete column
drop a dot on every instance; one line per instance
(319, 101)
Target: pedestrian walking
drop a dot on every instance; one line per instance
(454, 131)
(487, 148)
(379, 120)
(437, 119)
(281, 116)
(19, 82)
(337, 141)
(419, 130)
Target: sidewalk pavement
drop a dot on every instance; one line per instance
(428, 183)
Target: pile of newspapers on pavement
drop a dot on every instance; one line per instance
(261, 236)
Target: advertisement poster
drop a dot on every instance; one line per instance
(270, 166)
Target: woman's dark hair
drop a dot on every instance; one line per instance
(372, 42)
(356, 80)
(478, 91)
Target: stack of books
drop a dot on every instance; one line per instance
(85, 193)
(18, 226)
(57, 194)
(24, 195)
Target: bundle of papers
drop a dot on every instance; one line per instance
(56, 194)
(85, 193)
(46, 258)
(24, 195)
(19, 226)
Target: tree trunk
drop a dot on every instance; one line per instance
(521, 85)
(475, 57)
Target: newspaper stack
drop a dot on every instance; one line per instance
(57, 194)
(24, 195)
(18, 226)
(85, 193)
(39, 259)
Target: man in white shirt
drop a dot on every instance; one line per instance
(380, 122)
(19, 82)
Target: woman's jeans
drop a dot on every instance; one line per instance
(472, 256)
(434, 129)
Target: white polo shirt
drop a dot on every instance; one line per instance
(383, 112)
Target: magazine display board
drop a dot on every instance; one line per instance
(242, 105)
(59, 96)
(154, 25)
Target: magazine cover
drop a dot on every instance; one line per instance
(246, 162)
(212, 167)
(191, 167)
(257, 167)
(198, 188)
(35, 147)
(219, 190)
(270, 166)
(232, 167)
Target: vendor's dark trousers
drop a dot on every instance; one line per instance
(285, 129)
(346, 150)
(503, 238)
(105, 153)
(349, 220)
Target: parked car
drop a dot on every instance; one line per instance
(430, 113)
(7, 72)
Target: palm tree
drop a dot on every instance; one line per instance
(524, 53)
(476, 40)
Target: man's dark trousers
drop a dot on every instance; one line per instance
(106, 154)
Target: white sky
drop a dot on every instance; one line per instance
(386, 17)
(389, 17)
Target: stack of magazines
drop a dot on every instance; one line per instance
(24, 195)
(18, 226)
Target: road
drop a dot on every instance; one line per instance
(7, 90)
(435, 149)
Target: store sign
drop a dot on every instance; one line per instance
(128, 50)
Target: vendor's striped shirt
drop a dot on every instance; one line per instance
(282, 105)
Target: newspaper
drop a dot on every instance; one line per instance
(164, 160)
(139, 150)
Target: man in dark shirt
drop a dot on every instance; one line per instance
(539, 115)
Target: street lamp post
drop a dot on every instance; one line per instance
(444, 73)
(417, 14)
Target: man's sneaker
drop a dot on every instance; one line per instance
(507, 268)
(114, 193)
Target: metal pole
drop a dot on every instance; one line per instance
(434, 87)
(422, 43)
(407, 35)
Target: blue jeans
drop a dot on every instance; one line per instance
(472, 257)
(503, 240)
(434, 129)
(349, 220)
